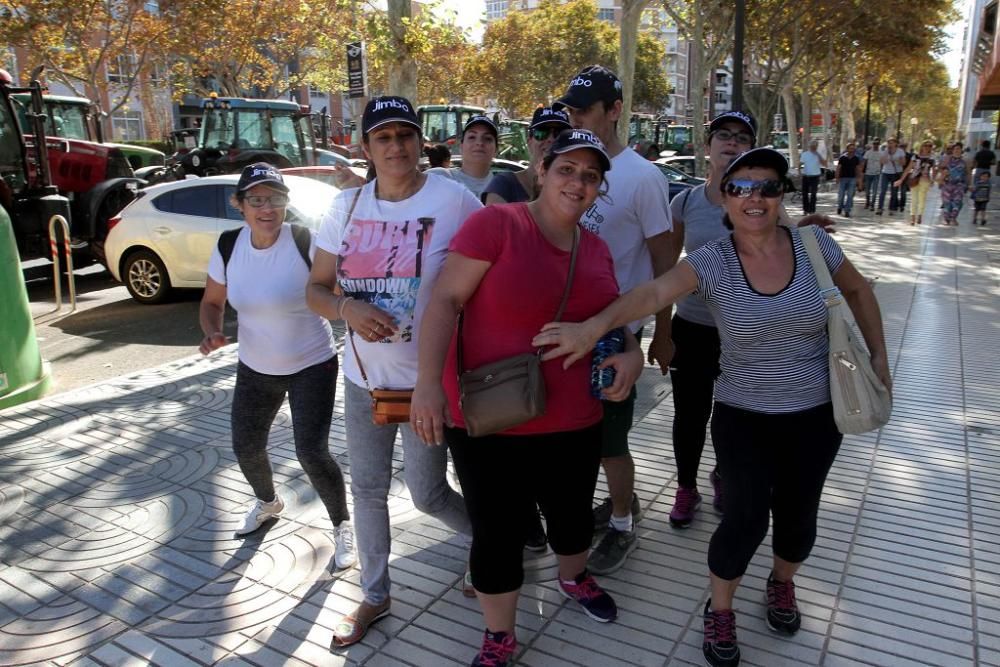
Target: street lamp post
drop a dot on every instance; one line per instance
(870, 83)
(913, 132)
(899, 123)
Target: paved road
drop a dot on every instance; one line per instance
(110, 334)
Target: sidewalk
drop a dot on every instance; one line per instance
(118, 503)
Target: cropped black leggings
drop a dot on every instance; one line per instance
(772, 465)
(256, 401)
(503, 476)
(692, 373)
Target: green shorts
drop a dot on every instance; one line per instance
(618, 422)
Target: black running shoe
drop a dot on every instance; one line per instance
(719, 645)
(782, 612)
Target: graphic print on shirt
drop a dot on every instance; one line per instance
(381, 265)
(592, 219)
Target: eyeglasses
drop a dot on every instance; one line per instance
(740, 137)
(543, 133)
(768, 189)
(258, 201)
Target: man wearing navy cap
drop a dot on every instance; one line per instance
(634, 220)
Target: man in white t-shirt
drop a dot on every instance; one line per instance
(479, 147)
(892, 160)
(633, 218)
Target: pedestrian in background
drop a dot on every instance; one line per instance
(511, 186)
(285, 349)
(380, 250)
(479, 147)
(955, 176)
(438, 155)
(633, 218)
(920, 175)
(811, 167)
(904, 186)
(502, 254)
(891, 161)
(872, 169)
(981, 178)
(849, 179)
(697, 219)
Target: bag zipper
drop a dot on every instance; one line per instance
(846, 374)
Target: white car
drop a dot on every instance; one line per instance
(164, 239)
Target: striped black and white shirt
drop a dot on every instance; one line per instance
(774, 346)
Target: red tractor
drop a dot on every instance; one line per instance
(95, 180)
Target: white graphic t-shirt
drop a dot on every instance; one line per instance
(391, 253)
(635, 208)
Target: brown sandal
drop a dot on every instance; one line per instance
(352, 628)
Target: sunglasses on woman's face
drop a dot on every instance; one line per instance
(768, 189)
(543, 133)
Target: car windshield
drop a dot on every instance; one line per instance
(671, 173)
(310, 200)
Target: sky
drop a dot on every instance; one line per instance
(471, 13)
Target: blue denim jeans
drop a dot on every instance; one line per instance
(887, 182)
(871, 189)
(370, 449)
(845, 193)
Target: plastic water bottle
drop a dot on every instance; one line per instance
(610, 344)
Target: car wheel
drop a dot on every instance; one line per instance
(146, 278)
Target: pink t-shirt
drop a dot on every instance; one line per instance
(519, 293)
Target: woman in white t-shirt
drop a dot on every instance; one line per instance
(380, 249)
(773, 427)
(284, 348)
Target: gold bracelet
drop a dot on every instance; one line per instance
(341, 305)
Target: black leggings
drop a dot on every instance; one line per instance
(504, 476)
(692, 373)
(770, 464)
(256, 401)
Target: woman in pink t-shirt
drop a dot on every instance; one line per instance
(507, 271)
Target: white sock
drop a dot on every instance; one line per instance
(621, 523)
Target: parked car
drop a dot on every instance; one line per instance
(683, 163)
(163, 239)
(498, 166)
(323, 174)
(675, 175)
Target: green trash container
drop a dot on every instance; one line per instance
(23, 375)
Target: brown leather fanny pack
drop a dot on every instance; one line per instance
(390, 406)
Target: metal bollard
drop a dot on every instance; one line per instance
(55, 263)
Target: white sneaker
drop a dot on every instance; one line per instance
(343, 538)
(259, 513)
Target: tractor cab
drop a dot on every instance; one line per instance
(443, 123)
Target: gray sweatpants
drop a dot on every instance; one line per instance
(370, 450)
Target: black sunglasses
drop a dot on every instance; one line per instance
(741, 188)
(543, 133)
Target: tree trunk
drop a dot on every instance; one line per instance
(791, 122)
(402, 70)
(631, 13)
(696, 90)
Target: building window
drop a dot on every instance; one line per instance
(720, 78)
(122, 68)
(720, 96)
(127, 125)
(606, 15)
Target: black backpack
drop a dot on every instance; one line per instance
(301, 235)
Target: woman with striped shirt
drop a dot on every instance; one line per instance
(772, 426)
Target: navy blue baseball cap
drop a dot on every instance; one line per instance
(388, 109)
(549, 116)
(482, 120)
(742, 117)
(572, 139)
(759, 157)
(592, 84)
(261, 173)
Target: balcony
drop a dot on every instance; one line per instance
(985, 60)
